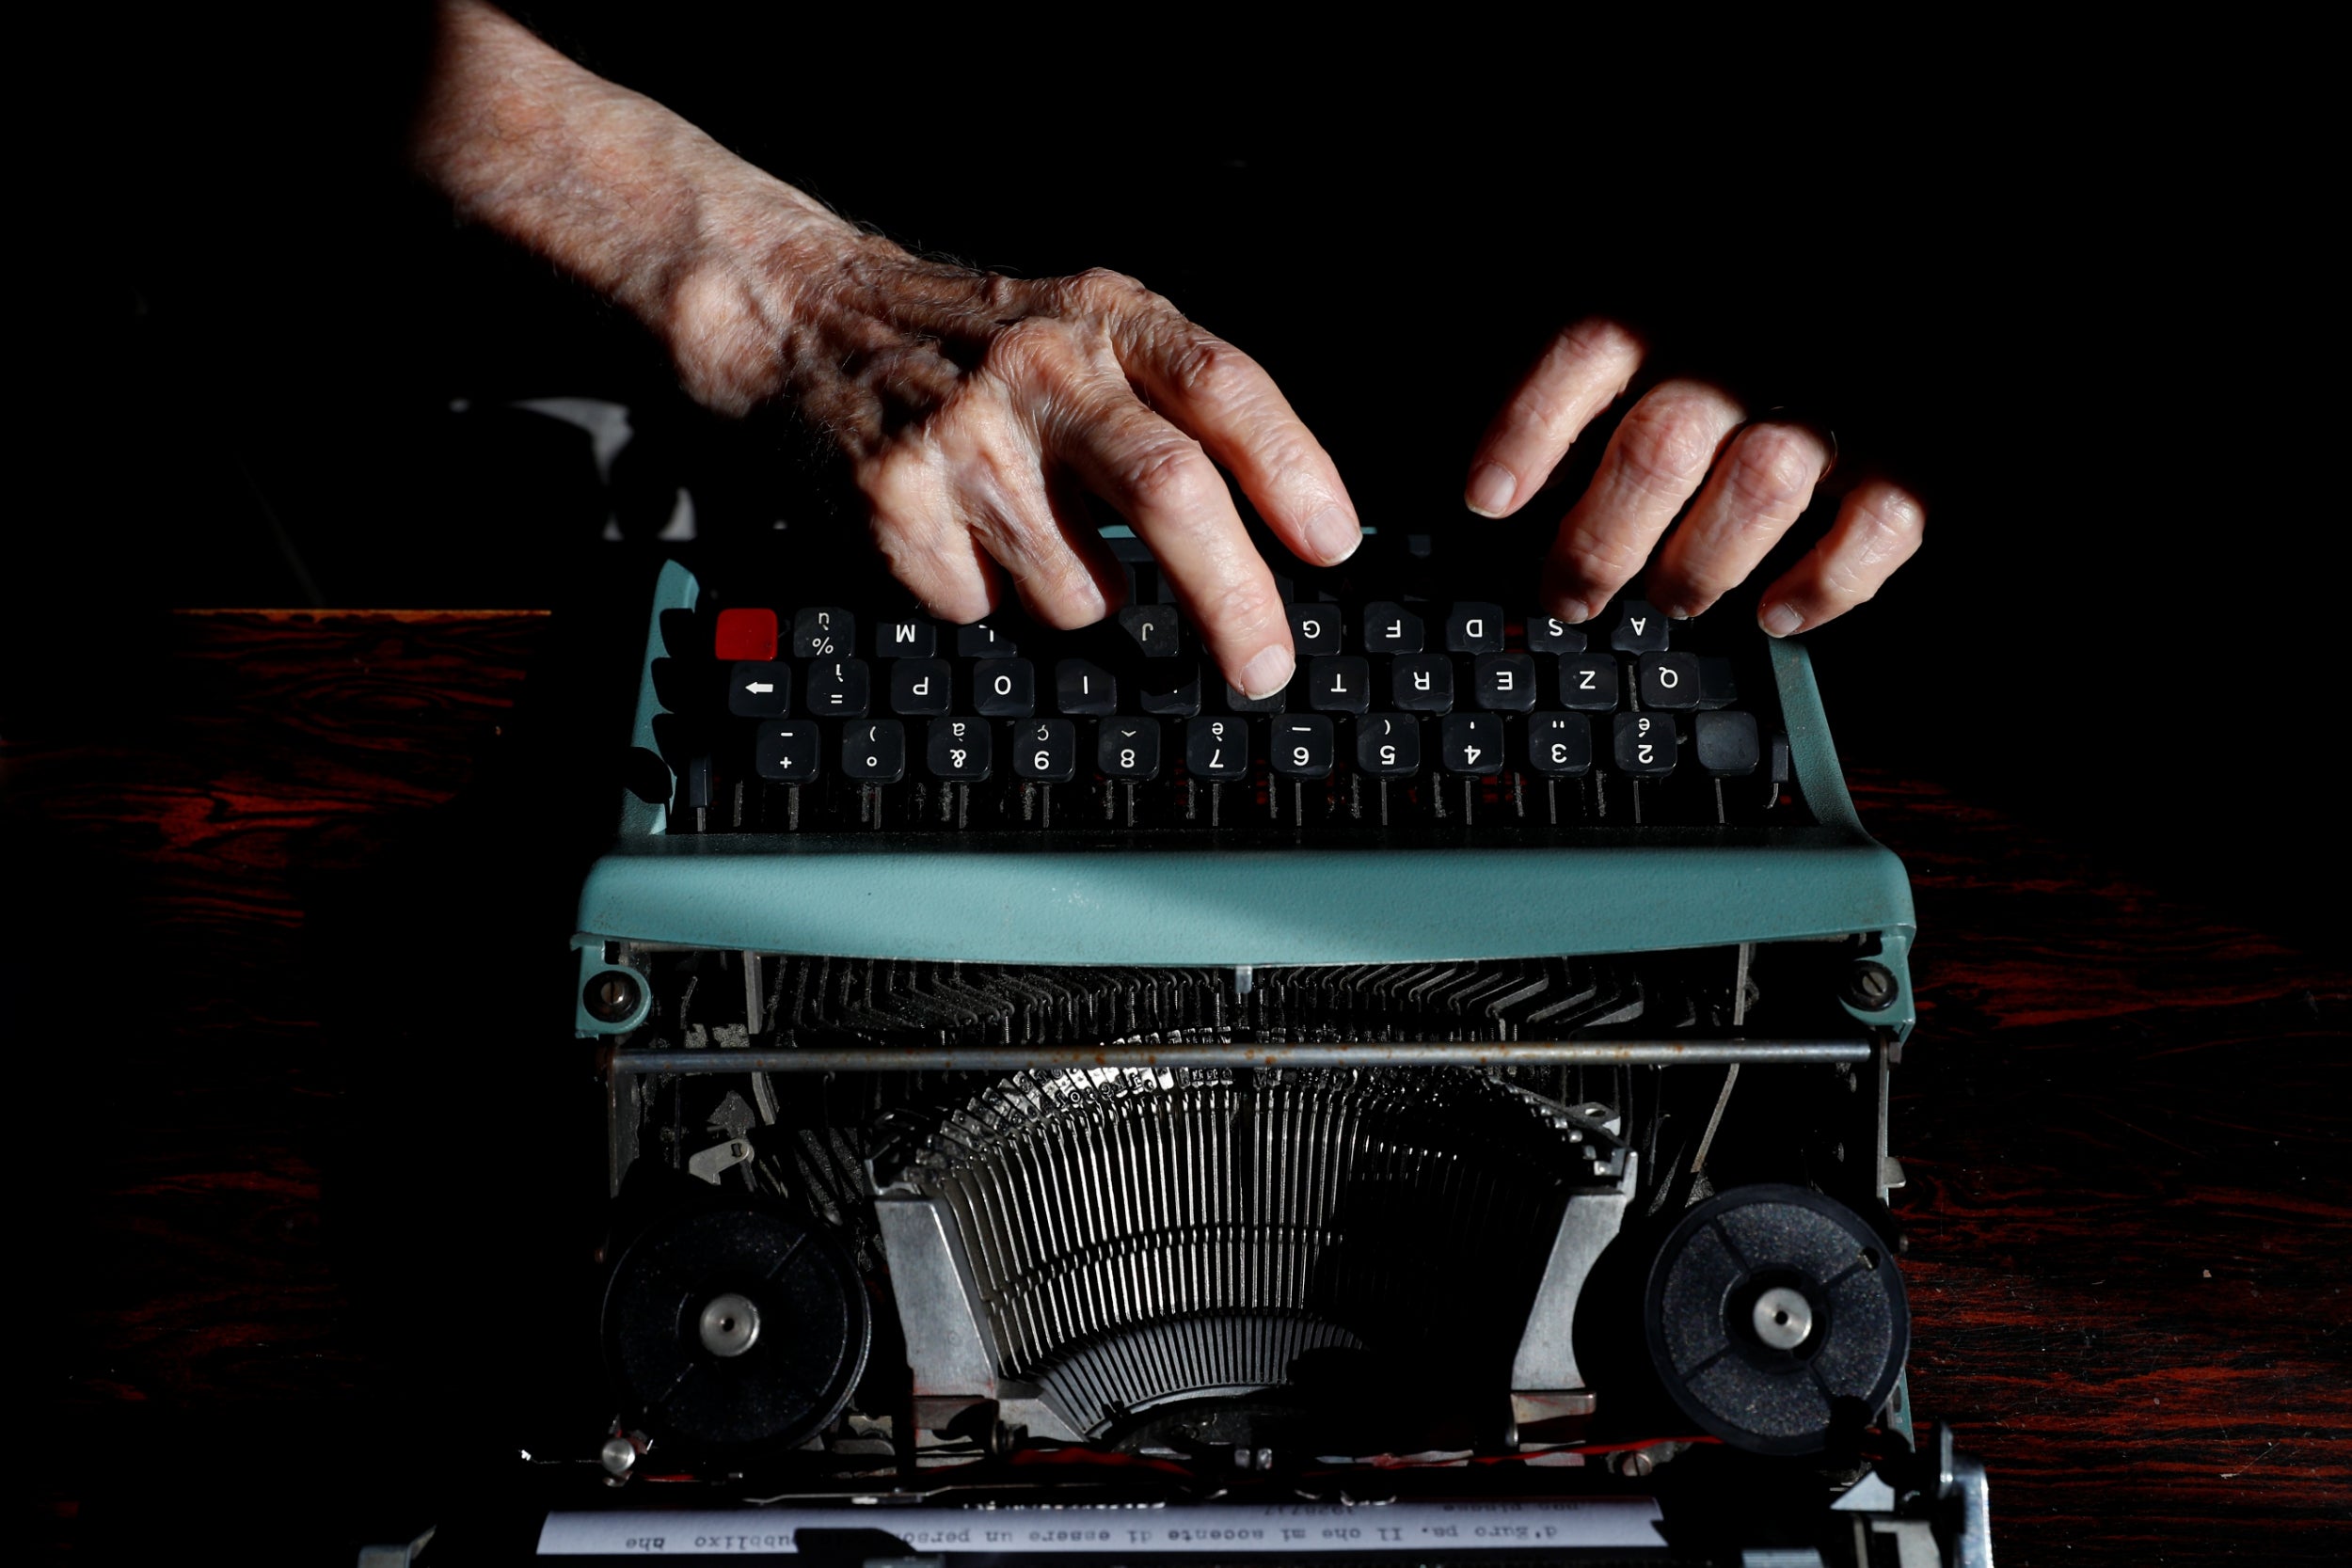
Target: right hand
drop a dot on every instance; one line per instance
(971, 407)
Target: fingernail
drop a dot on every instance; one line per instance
(1574, 612)
(1334, 534)
(1267, 673)
(1779, 619)
(1491, 489)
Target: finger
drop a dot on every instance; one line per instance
(925, 543)
(1658, 455)
(1759, 487)
(1213, 391)
(1585, 369)
(1878, 529)
(997, 484)
(1164, 483)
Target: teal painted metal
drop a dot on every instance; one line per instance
(1028, 905)
(592, 964)
(871, 896)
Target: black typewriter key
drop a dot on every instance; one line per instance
(759, 689)
(1302, 746)
(1003, 688)
(1152, 628)
(1390, 629)
(1128, 748)
(1045, 751)
(1169, 688)
(1503, 683)
(906, 637)
(1314, 630)
(958, 750)
(1559, 745)
(1421, 683)
(1644, 745)
(1082, 685)
(1726, 743)
(919, 685)
(1717, 687)
(786, 752)
(1640, 628)
(1471, 743)
(983, 640)
(874, 751)
(1216, 747)
(1273, 702)
(1546, 634)
(822, 632)
(1388, 745)
(1473, 628)
(837, 688)
(1669, 680)
(1588, 683)
(1340, 683)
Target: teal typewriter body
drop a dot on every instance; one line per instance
(1037, 1076)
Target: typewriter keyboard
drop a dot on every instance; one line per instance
(1406, 714)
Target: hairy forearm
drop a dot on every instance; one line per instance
(625, 196)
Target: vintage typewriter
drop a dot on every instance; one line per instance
(1056, 1104)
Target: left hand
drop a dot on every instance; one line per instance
(1682, 438)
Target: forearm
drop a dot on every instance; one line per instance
(615, 190)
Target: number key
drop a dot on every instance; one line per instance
(1303, 747)
(1471, 743)
(1045, 752)
(1388, 745)
(1128, 748)
(1644, 745)
(1216, 747)
(1559, 745)
(1003, 688)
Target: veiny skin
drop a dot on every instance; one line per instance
(973, 410)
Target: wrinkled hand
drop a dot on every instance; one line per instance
(1682, 438)
(972, 408)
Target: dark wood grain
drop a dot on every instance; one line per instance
(2131, 1223)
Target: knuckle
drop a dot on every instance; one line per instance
(1102, 289)
(1171, 473)
(1667, 440)
(1027, 351)
(1207, 369)
(1606, 556)
(1244, 605)
(1769, 467)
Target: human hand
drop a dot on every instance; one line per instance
(1681, 438)
(972, 409)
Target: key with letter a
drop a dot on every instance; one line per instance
(1640, 630)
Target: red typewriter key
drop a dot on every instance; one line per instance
(746, 634)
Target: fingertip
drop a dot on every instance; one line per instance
(1267, 671)
(1491, 491)
(1333, 533)
(1781, 619)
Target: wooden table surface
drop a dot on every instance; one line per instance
(2124, 1123)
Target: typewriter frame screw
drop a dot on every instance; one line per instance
(618, 1456)
(1634, 1463)
(1871, 986)
(612, 996)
